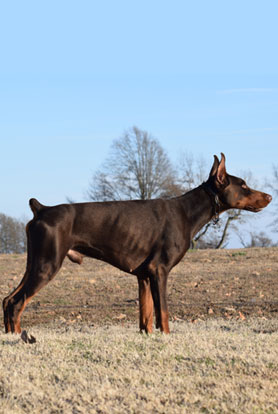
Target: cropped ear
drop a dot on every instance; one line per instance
(215, 166)
(221, 171)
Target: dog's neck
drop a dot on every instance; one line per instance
(202, 206)
(215, 201)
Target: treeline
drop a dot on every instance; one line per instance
(12, 235)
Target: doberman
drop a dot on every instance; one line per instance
(146, 238)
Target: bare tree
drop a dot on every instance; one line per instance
(257, 240)
(138, 167)
(12, 235)
(191, 171)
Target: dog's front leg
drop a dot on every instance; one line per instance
(145, 305)
(159, 293)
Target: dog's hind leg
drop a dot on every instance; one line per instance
(145, 305)
(35, 281)
(7, 299)
(44, 261)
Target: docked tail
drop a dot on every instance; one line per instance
(35, 206)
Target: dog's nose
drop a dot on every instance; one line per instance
(268, 197)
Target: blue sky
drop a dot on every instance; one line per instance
(201, 76)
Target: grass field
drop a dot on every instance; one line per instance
(212, 366)
(221, 356)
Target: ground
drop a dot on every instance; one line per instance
(234, 284)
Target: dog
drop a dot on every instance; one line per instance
(145, 238)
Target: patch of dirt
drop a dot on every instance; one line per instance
(206, 284)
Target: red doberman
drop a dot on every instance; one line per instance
(145, 238)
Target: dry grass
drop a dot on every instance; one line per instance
(225, 362)
(213, 366)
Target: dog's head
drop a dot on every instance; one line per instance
(233, 192)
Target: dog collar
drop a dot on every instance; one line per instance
(215, 201)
